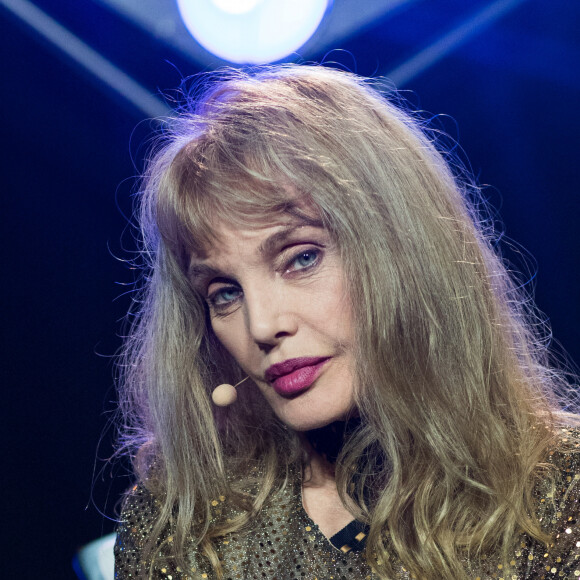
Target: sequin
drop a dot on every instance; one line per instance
(286, 544)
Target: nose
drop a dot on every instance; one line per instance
(269, 316)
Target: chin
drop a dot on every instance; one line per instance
(308, 421)
(312, 409)
(307, 425)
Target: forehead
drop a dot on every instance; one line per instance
(229, 231)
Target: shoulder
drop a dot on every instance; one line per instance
(134, 531)
(563, 460)
(139, 513)
(558, 489)
(558, 496)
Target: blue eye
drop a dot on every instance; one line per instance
(305, 259)
(224, 296)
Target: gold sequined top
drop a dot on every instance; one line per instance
(285, 543)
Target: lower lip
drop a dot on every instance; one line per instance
(299, 380)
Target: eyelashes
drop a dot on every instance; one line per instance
(224, 299)
(224, 296)
(306, 259)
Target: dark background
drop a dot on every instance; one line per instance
(70, 148)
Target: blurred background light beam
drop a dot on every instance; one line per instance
(88, 58)
(429, 56)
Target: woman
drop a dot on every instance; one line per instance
(396, 415)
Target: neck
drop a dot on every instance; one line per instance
(329, 440)
(318, 471)
(320, 497)
(322, 447)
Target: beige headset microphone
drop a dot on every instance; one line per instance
(225, 394)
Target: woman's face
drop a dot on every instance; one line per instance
(278, 304)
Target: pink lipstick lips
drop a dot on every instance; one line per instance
(295, 375)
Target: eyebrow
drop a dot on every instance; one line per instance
(269, 245)
(199, 271)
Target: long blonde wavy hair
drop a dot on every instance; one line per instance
(453, 383)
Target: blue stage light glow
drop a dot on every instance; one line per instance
(252, 31)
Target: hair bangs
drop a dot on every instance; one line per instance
(210, 181)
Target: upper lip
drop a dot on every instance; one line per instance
(288, 366)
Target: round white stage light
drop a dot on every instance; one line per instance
(236, 6)
(252, 31)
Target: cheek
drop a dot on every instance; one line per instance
(335, 315)
(232, 337)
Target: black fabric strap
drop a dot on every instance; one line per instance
(351, 538)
